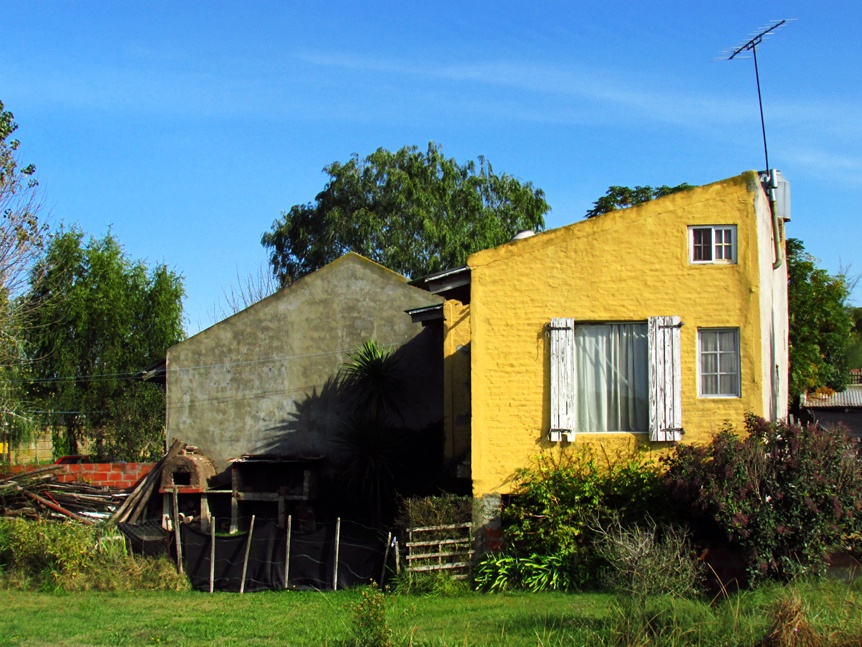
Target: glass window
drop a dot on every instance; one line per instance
(713, 244)
(719, 362)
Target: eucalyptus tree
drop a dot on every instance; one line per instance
(414, 212)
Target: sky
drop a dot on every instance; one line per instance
(187, 128)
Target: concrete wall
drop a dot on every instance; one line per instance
(623, 266)
(260, 381)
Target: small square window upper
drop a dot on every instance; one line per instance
(712, 244)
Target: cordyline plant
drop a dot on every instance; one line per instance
(784, 495)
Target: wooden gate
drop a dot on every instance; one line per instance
(441, 548)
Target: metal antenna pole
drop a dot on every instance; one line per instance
(760, 101)
(751, 46)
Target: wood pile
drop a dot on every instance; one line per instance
(38, 494)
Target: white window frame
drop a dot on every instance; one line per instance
(737, 390)
(715, 248)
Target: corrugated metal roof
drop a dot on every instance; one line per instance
(851, 397)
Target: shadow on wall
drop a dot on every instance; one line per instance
(380, 430)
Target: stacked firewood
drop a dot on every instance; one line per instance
(38, 494)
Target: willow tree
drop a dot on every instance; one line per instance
(103, 319)
(414, 212)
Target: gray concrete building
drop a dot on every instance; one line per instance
(261, 381)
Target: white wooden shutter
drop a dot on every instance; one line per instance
(562, 334)
(665, 400)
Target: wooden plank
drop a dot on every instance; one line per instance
(439, 542)
(436, 555)
(257, 496)
(452, 526)
(144, 491)
(54, 506)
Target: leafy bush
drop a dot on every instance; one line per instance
(548, 519)
(503, 572)
(783, 496)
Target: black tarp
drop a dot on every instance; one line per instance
(312, 558)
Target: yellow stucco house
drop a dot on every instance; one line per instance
(649, 325)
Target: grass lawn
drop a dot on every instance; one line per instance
(308, 618)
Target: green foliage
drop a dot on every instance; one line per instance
(505, 572)
(370, 627)
(103, 319)
(374, 383)
(854, 352)
(413, 212)
(821, 327)
(621, 197)
(550, 518)
(69, 556)
(783, 496)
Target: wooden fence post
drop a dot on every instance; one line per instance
(337, 547)
(177, 532)
(287, 552)
(212, 554)
(245, 560)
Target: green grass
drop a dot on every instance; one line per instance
(472, 619)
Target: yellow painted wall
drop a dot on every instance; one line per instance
(456, 367)
(623, 266)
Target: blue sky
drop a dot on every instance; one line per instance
(188, 127)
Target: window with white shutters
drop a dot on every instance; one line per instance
(615, 377)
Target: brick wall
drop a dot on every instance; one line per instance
(120, 476)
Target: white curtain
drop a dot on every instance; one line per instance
(612, 377)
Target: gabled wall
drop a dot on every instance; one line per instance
(626, 265)
(258, 381)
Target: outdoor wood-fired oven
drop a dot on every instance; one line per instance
(264, 483)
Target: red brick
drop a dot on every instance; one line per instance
(102, 467)
(100, 477)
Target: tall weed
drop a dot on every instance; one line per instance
(68, 556)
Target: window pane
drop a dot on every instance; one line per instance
(709, 341)
(708, 363)
(728, 385)
(727, 363)
(727, 340)
(702, 244)
(709, 384)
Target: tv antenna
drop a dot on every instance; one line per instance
(751, 46)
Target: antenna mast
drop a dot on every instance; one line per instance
(751, 46)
